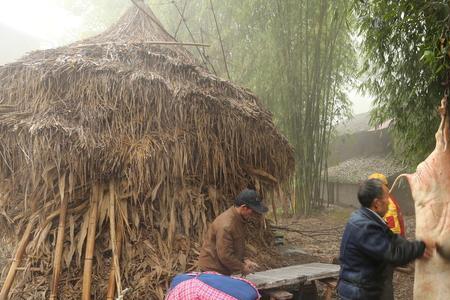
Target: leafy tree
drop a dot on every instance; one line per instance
(406, 44)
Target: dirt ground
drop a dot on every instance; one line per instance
(317, 239)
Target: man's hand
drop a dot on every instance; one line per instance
(249, 267)
(430, 246)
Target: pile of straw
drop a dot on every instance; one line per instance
(116, 151)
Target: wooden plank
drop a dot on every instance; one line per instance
(315, 271)
(293, 275)
(272, 280)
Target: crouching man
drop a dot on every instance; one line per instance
(222, 254)
(224, 246)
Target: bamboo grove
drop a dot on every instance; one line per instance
(298, 56)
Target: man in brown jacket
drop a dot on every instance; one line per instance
(224, 246)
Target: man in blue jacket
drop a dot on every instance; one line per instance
(368, 246)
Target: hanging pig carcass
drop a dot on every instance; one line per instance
(430, 188)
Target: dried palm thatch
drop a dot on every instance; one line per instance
(115, 153)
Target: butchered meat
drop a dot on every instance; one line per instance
(430, 187)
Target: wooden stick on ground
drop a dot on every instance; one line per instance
(114, 276)
(90, 242)
(60, 240)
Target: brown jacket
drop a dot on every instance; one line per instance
(224, 247)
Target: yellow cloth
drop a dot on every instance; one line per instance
(394, 218)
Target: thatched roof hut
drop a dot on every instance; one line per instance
(115, 152)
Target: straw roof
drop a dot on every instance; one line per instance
(357, 169)
(117, 150)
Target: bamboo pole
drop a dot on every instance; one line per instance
(16, 261)
(146, 10)
(112, 275)
(21, 247)
(69, 211)
(59, 242)
(151, 43)
(220, 40)
(90, 243)
(181, 20)
(202, 55)
(116, 242)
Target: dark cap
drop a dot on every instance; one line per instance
(251, 199)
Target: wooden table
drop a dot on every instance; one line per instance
(281, 279)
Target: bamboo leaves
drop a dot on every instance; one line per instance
(70, 250)
(97, 196)
(59, 247)
(81, 237)
(406, 68)
(115, 238)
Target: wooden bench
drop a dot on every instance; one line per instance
(279, 283)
